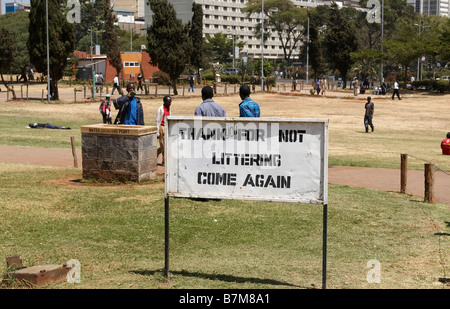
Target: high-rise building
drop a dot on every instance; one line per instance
(431, 7)
(226, 16)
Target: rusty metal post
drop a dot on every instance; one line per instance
(403, 173)
(429, 175)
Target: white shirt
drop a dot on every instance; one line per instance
(159, 118)
(116, 80)
(395, 85)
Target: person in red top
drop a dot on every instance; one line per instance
(445, 145)
(161, 114)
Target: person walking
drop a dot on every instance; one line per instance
(248, 107)
(139, 78)
(396, 91)
(209, 108)
(130, 108)
(161, 114)
(368, 116)
(105, 110)
(191, 83)
(116, 85)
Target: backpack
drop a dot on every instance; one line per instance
(104, 108)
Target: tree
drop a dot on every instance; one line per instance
(169, 45)
(314, 47)
(218, 47)
(405, 45)
(7, 53)
(444, 38)
(61, 39)
(92, 16)
(285, 18)
(17, 24)
(340, 41)
(365, 61)
(196, 35)
(111, 40)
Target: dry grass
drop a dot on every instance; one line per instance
(416, 125)
(116, 231)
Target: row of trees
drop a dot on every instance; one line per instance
(170, 42)
(343, 41)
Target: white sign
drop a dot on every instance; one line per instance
(247, 158)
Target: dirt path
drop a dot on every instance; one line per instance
(371, 178)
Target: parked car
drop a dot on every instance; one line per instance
(232, 71)
(445, 78)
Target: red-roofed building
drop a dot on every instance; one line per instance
(133, 64)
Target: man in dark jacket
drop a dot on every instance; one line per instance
(368, 115)
(131, 111)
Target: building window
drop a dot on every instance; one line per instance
(130, 64)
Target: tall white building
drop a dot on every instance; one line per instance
(226, 16)
(431, 7)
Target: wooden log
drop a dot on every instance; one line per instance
(404, 171)
(429, 179)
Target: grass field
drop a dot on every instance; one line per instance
(116, 231)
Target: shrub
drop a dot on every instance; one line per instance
(271, 80)
(232, 79)
(432, 84)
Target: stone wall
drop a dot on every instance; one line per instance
(119, 152)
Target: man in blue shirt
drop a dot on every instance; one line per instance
(131, 111)
(248, 107)
(209, 108)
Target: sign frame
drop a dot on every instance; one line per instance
(323, 173)
(171, 170)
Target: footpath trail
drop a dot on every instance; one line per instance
(382, 179)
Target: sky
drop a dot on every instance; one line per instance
(8, 1)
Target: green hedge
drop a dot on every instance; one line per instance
(432, 84)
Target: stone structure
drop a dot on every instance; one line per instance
(119, 152)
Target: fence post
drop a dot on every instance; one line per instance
(429, 175)
(404, 170)
(74, 152)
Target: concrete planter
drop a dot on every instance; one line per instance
(119, 152)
